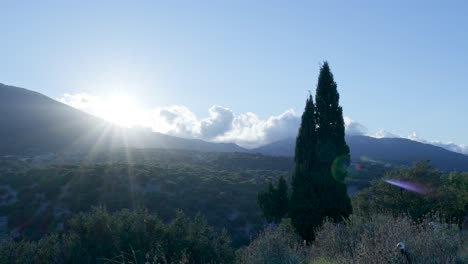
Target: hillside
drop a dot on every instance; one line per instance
(221, 186)
(34, 124)
(395, 151)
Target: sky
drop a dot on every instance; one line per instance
(240, 71)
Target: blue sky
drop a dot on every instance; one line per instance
(400, 66)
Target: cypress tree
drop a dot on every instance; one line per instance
(332, 150)
(321, 156)
(305, 209)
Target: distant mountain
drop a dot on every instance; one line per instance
(396, 151)
(32, 123)
(284, 147)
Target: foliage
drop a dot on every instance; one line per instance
(99, 236)
(361, 239)
(446, 193)
(304, 208)
(276, 245)
(373, 239)
(221, 186)
(274, 201)
(321, 157)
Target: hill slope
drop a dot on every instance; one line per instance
(397, 151)
(34, 123)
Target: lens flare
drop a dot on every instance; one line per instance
(409, 186)
(340, 167)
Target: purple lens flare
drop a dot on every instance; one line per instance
(410, 186)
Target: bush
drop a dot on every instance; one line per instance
(101, 237)
(446, 193)
(373, 239)
(44, 251)
(275, 245)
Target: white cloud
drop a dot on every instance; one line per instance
(221, 124)
(354, 128)
(175, 120)
(381, 133)
(446, 145)
(463, 149)
(82, 101)
(250, 131)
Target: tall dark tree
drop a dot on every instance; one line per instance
(305, 211)
(332, 150)
(274, 201)
(321, 157)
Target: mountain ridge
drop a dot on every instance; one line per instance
(35, 123)
(398, 151)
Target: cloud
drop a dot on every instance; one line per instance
(82, 101)
(249, 130)
(446, 145)
(221, 124)
(383, 134)
(354, 128)
(463, 149)
(175, 120)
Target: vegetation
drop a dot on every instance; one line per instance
(276, 245)
(444, 193)
(220, 186)
(274, 201)
(101, 237)
(321, 158)
(154, 206)
(361, 239)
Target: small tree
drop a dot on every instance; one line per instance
(274, 201)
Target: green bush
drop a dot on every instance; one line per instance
(101, 237)
(446, 193)
(44, 251)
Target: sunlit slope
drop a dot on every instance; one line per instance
(32, 123)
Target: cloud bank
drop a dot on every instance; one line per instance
(220, 125)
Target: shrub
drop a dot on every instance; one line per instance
(101, 237)
(44, 251)
(275, 245)
(373, 239)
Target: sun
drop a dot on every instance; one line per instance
(121, 110)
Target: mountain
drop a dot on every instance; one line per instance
(284, 147)
(396, 151)
(32, 123)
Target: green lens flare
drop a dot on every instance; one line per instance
(339, 167)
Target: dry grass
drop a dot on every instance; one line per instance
(360, 239)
